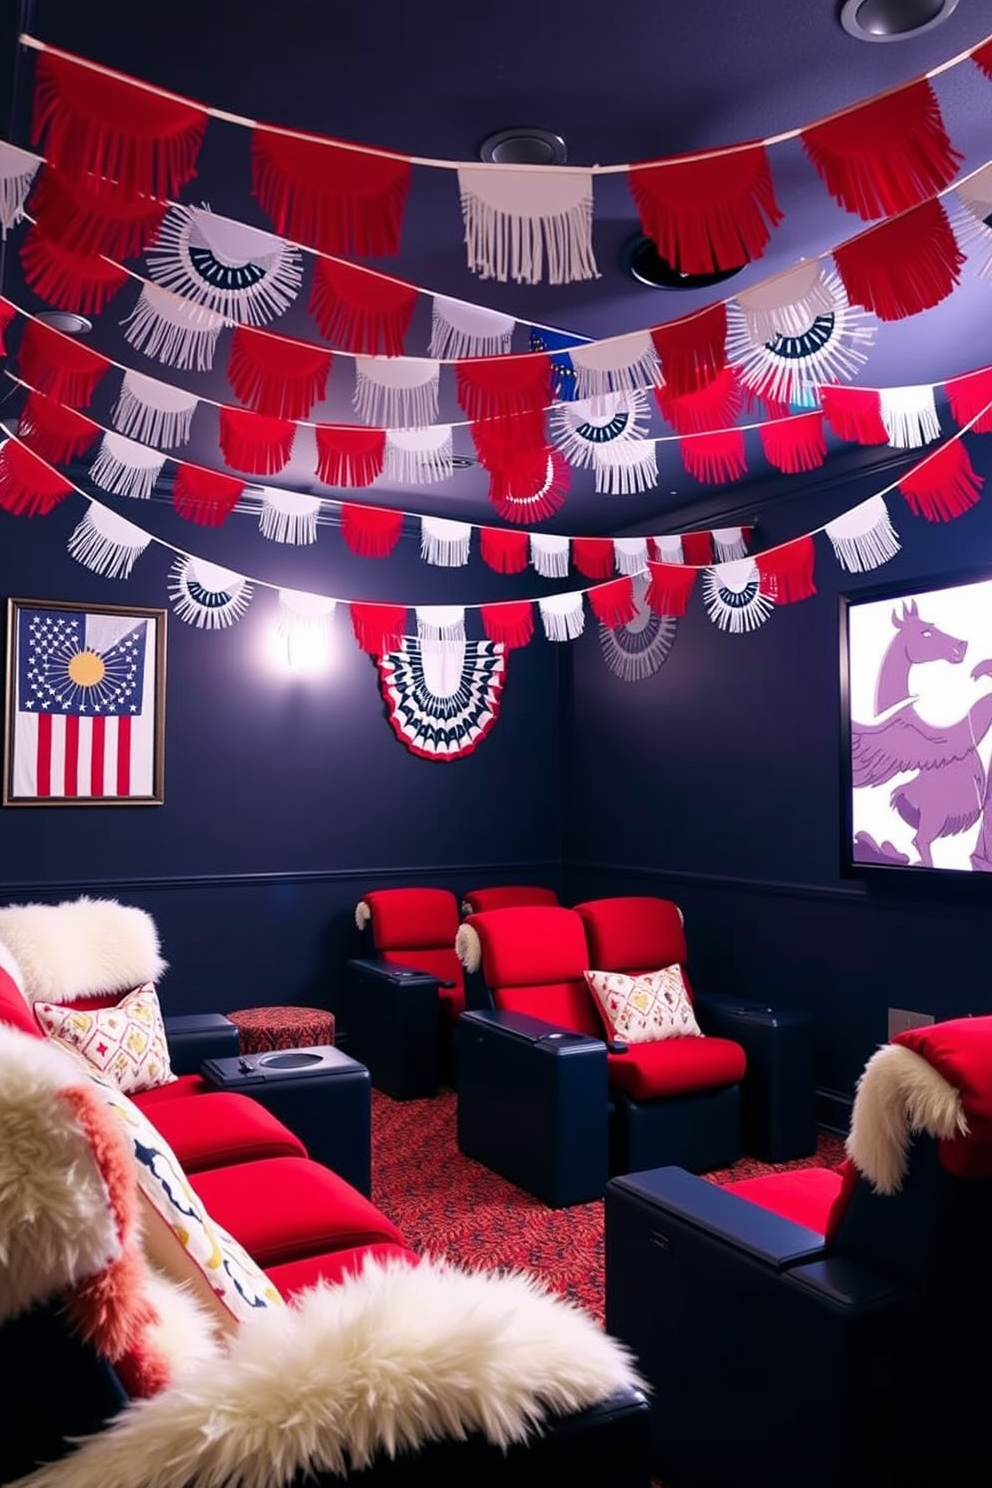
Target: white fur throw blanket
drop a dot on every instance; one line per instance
(80, 948)
(383, 1363)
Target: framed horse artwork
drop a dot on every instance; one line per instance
(916, 721)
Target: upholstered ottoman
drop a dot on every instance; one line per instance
(261, 1029)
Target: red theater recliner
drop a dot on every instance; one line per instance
(506, 896)
(826, 1328)
(401, 1005)
(546, 1100)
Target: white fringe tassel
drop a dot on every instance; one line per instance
(733, 598)
(788, 304)
(126, 467)
(232, 246)
(563, 616)
(173, 331)
(362, 914)
(288, 517)
(669, 549)
(440, 623)
(619, 365)
(910, 416)
(728, 544)
(419, 457)
(396, 392)
(443, 543)
(549, 555)
(304, 616)
(106, 544)
(864, 538)
(971, 204)
(462, 330)
(625, 469)
(152, 412)
(630, 555)
(528, 226)
(206, 595)
(18, 169)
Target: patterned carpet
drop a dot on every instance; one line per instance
(448, 1205)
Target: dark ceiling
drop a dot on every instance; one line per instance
(646, 80)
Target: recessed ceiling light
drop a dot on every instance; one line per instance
(523, 145)
(642, 261)
(66, 322)
(893, 20)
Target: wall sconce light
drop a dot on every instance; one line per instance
(303, 632)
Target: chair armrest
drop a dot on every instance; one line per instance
(195, 1037)
(390, 971)
(392, 1023)
(525, 1029)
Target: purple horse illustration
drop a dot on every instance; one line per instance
(947, 794)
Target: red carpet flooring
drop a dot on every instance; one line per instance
(448, 1205)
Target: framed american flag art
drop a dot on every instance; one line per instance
(85, 723)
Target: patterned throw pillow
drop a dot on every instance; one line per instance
(642, 1009)
(125, 1042)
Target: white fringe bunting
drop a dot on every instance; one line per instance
(733, 598)
(630, 554)
(969, 218)
(172, 330)
(669, 549)
(443, 543)
(864, 538)
(910, 416)
(626, 469)
(152, 412)
(789, 303)
(126, 467)
(303, 614)
(563, 616)
(241, 272)
(440, 623)
(585, 426)
(18, 169)
(206, 595)
(106, 544)
(529, 226)
(549, 555)
(621, 364)
(728, 544)
(461, 330)
(396, 392)
(288, 517)
(419, 457)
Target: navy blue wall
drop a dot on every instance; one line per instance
(286, 797)
(716, 782)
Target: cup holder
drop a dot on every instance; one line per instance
(294, 1059)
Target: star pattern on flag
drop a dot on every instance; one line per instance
(62, 674)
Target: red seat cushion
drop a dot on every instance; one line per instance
(676, 1066)
(807, 1196)
(282, 1208)
(222, 1127)
(295, 1276)
(566, 1004)
(175, 1090)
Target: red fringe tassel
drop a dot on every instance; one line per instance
(982, 58)
(378, 628)
(506, 552)
(55, 433)
(971, 398)
(510, 624)
(370, 531)
(360, 310)
(854, 414)
(205, 496)
(795, 444)
(787, 573)
(613, 604)
(692, 351)
(903, 266)
(59, 365)
(7, 313)
(348, 456)
(512, 445)
(715, 459)
(84, 283)
(254, 442)
(92, 216)
(593, 557)
(697, 548)
(29, 487)
(716, 405)
(329, 196)
(275, 376)
(669, 589)
(105, 124)
(887, 155)
(501, 387)
(532, 495)
(714, 212)
(944, 487)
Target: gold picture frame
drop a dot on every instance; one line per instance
(85, 715)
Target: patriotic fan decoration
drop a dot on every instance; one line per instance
(242, 273)
(442, 697)
(641, 647)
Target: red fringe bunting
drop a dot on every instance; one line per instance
(205, 496)
(360, 310)
(275, 376)
(697, 548)
(55, 433)
(370, 531)
(854, 414)
(968, 397)
(887, 155)
(692, 351)
(105, 124)
(715, 459)
(796, 444)
(531, 495)
(613, 604)
(593, 557)
(28, 486)
(713, 212)
(787, 573)
(378, 628)
(328, 196)
(944, 487)
(349, 456)
(669, 589)
(982, 58)
(903, 266)
(84, 283)
(254, 442)
(500, 387)
(506, 552)
(716, 405)
(510, 624)
(92, 216)
(60, 366)
(7, 313)
(511, 446)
